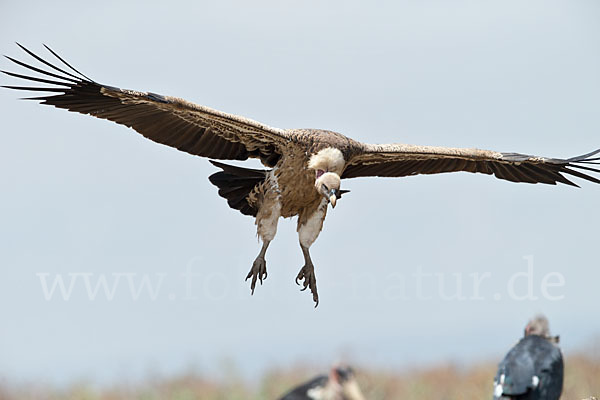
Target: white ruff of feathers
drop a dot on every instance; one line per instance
(328, 160)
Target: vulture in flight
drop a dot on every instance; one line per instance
(305, 166)
(533, 369)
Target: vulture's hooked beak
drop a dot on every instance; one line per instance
(332, 200)
(335, 194)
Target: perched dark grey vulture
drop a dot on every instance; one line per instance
(339, 385)
(533, 368)
(305, 165)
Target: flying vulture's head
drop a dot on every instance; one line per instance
(538, 325)
(328, 165)
(328, 185)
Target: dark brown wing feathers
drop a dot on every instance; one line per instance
(174, 122)
(210, 133)
(406, 160)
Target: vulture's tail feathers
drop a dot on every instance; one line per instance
(236, 183)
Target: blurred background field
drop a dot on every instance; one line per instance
(446, 381)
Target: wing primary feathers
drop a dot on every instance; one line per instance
(35, 89)
(41, 71)
(66, 63)
(586, 168)
(581, 175)
(586, 162)
(403, 160)
(567, 181)
(585, 157)
(31, 78)
(174, 122)
(561, 178)
(32, 54)
(41, 99)
(575, 162)
(209, 133)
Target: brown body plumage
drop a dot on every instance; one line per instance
(306, 166)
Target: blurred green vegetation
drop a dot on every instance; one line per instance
(443, 382)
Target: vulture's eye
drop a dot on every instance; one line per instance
(326, 188)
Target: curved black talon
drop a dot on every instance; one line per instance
(307, 273)
(258, 271)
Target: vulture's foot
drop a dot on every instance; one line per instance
(258, 271)
(307, 273)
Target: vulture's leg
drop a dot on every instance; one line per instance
(266, 221)
(259, 267)
(309, 227)
(307, 273)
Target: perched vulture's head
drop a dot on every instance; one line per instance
(538, 325)
(342, 378)
(328, 185)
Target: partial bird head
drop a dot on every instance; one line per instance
(342, 379)
(328, 186)
(328, 165)
(538, 325)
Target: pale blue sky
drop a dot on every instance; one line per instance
(81, 195)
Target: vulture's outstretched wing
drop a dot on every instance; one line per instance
(395, 160)
(192, 128)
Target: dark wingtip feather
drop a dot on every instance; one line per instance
(35, 89)
(581, 175)
(66, 63)
(585, 168)
(584, 157)
(21, 46)
(569, 182)
(31, 78)
(54, 67)
(41, 71)
(12, 59)
(572, 165)
(42, 99)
